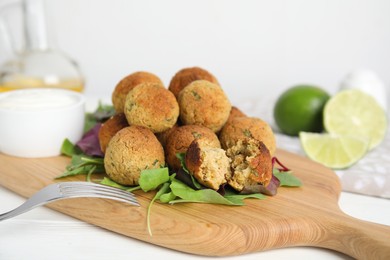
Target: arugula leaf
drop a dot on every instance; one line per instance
(79, 161)
(286, 178)
(238, 198)
(75, 171)
(188, 194)
(109, 182)
(81, 164)
(101, 114)
(167, 197)
(164, 189)
(150, 179)
(68, 148)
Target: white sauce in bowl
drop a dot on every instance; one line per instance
(37, 99)
(35, 122)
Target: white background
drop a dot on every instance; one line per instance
(252, 47)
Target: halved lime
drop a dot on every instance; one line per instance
(334, 151)
(353, 112)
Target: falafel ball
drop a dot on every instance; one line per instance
(235, 112)
(251, 164)
(163, 136)
(180, 139)
(151, 106)
(187, 75)
(204, 103)
(109, 128)
(210, 166)
(128, 83)
(247, 127)
(131, 150)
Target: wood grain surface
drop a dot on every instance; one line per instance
(305, 216)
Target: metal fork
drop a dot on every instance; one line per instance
(66, 190)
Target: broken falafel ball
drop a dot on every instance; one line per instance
(204, 103)
(187, 75)
(251, 164)
(180, 139)
(128, 83)
(210, 166)
(152, 106)
(247, 127)
(109, 128)
(130, 151)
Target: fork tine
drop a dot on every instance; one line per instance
(102, 194)
(95, 187)
(92, 186)
(84, 189)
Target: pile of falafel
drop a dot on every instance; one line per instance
(194, 116)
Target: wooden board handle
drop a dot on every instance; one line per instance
(357, 238)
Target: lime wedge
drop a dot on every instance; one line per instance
(333, 151)
(353, 112)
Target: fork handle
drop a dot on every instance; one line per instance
(34, 201)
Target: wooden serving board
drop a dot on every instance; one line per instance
(305, 216)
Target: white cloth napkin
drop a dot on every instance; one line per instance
(369, 176)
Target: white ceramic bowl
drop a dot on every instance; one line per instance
(35, 122)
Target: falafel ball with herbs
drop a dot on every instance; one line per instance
(235, 112)
(247, 127)
(130, 151)
(187, 75)
(152, 106)
(128, 83)
(180, 139)
(109, 128)
(204, 103)
(163, 136)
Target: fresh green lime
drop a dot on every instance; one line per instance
(333, 151)
(353, 112)
(300, 108)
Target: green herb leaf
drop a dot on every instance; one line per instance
(201, 196)
(164, 189)
(196, 95)
(287, 179)
(247, 133)
(167, 197)
(150, 179)
(196, 135)
(101, 114)
(109, 182)
(81, 164)
(89, 173)
(238, 198)
(69, 149)
(75, 171)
